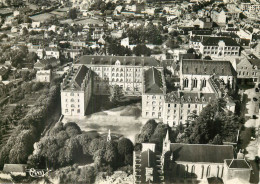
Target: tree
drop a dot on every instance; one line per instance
(217, 140)
(141, 49)
(159, 134)
(25, 31)
(111, 154)
(125, 149)
(213, 124)
(116, 93)
(32, 57)
(147, 131)
(72, 129)
(73, 13)
(191, 51)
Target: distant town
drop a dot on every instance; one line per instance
(145, 91)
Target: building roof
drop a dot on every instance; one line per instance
(227, 34)
(146, 159)
(255, 62)
(237, 164)
(213, 41)
(111, 60)
(201, 152)
(189, 97)
(207, 67)
(14, 168)
(153, 81)
(75, 78)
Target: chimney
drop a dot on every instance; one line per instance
(240, 155)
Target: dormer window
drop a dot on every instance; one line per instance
(203, 99)
(117, 62)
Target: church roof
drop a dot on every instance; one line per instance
(201, 152)
(207, 67)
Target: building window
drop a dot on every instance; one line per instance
(154, 97)
(169, 105)
(175, 105)
(78, 110)
(204, 83)
(208, 171)
(66, 110)
(72, 100)
(153, 113)
(147, 113)
(188, 105)
(71, 94)
(186, 83)
(195, 82)
(153, 103)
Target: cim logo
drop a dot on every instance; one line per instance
(38, 173)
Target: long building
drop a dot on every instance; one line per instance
(124, 71)
(76, 90)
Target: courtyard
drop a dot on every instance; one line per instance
(122, 119)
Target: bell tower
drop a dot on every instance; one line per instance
(166, 143)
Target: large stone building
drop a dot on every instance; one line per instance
(76, 90)
(124, 71)
(200, 82)
(154, 91)
(188, 163)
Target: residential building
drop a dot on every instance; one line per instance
(76, 90)
(15, 169)
(219, 47)
(52, 52)
(43, 76)
(248, 70)
(219, 17)
(203, 23)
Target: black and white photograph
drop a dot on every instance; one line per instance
(129, 91)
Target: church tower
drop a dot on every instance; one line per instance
(108, 136)
(166, 143)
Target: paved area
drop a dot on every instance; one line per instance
(252, 109)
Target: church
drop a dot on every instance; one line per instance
(188, 163)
